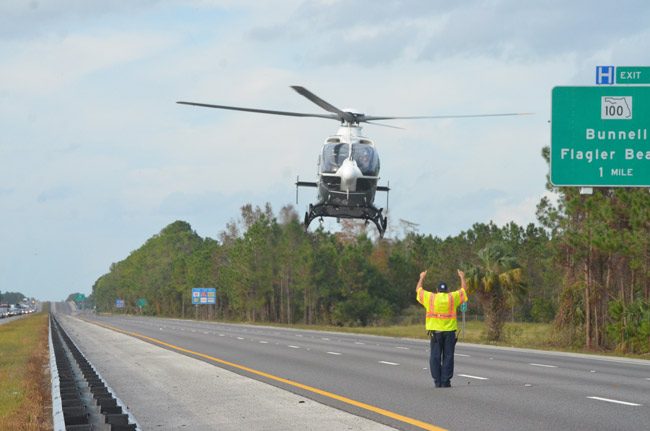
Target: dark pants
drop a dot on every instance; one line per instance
(441, 362)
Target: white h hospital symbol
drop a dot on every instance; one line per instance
(604, 75)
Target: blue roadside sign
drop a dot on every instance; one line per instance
(204, 295)
(605, 75)
(119, 303)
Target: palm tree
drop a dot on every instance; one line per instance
(495, 278)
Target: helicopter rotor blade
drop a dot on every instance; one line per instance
(262, 111)
(342, 115)
(384, 125)
(377, 117)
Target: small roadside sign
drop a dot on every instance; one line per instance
(204, 295)
(119, 303)
(605, 75)
(632, 75)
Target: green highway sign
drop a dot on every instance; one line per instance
(599, 136)
(632, 75)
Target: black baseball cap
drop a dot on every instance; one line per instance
(442, 287)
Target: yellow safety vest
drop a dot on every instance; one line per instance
(441, 308)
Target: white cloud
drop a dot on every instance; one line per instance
(44, 66)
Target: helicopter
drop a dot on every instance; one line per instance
(348, 165)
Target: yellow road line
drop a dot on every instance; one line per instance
(371, 408)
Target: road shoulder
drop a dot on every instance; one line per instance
(167, 390)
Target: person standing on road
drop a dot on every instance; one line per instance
(441, 326)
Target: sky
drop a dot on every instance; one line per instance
(96, 157)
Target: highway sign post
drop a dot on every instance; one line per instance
(119, 303)
(463, 309)
(599, 136)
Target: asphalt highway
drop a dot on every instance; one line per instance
(387, 379)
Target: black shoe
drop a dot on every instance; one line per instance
(437, 385)
(446, 385)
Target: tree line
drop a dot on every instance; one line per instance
(11, 297)
(602, 246)
(267, 268)
(585, 267)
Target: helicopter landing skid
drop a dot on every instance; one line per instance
(369, 213)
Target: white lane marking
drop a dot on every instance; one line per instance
(206, 332)
(294, 347)
(462, 355)
(403, 348)
(264, 342)
(473, 377)
(359, 342)
(543, 365)
(325, 339)
(648, 378)
(592, 371)
(240, 338)
(298, 335)
(625, 403)
(222, 335)
(334, 353)
(388, 363)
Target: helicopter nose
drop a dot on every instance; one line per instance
(349, 172)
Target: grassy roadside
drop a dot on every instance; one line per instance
(516, 334)
(25, 399)
(528, 335)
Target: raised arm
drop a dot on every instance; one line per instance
(421, 280)
(463, 284)
(420, 293)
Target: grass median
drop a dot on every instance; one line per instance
(25, 395)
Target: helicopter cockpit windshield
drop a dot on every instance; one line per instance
(364, 154)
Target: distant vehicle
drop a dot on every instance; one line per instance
(17, 310)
